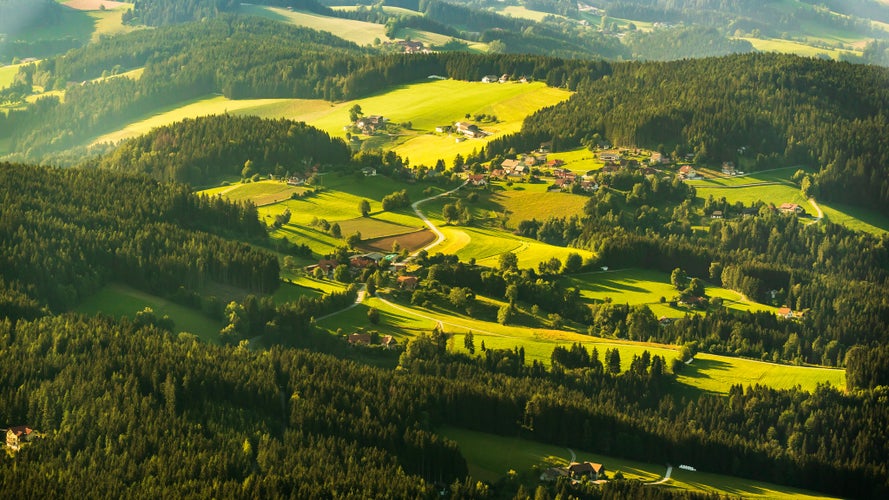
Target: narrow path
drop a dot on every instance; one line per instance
(666, 476)
(440, 236)
(359, 299)
(817, 208)
(573, 456)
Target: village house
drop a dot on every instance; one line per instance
(294, 180)
(388, 341)
(660, 159)
(728, 168)
(17, 436)
(609, 156)
(369, 171)
(508, 165)
(589, 470)
(785, 312)
(717, 214)
(589, 186)
(688, 172)
(562, 184)
(412, 47)
(503, 78)
(359, 339)
(370, 124)
(792, 208)
(468, 129)
(407, 282)
(478, 180)
(556, 163)
(490, 79)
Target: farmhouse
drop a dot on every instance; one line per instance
(503, 78)
(688, 172)
(17, 436)
(388, 341)
(553, 474)
(659, 159)
(295, 181)
(359, 338)
(468, 129)
(609, 157)
(728, 168)
(589, 186)
(370, 124)
(508, 165)
(369, 171)
(785, 312)
(717, 214)
(490, 79)
(407, 282)
(590, 470)
(792, 208)
(478, 180)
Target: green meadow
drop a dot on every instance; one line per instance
(359, 32)
(213, 105)
(491, 457)
(708, 373)
(792, 47)
(645, 286)
(120, 300)
(7, 74)
(856, 218)
(296, 286)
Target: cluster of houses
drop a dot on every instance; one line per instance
(357, 262)
(503, 79)
(575, 471)
(411, 47)
(369, 125)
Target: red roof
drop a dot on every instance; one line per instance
(21, 429)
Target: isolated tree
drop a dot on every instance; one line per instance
(371, 285)
(354, 239)
(355, 113)
(508, 261)
(336, 231)
(469, 342)
(678, 278)
(613, 361)
(364, 207)
(373, 315)
(573, 263)
(450, 213)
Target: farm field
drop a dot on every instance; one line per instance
(645, 286)
(534, 201)
(752, 188)
(120, 300)
(490, 457)
(712, 373)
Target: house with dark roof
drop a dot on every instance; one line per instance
(388, 341)
(359, 338)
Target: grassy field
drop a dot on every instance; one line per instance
(213, 105)
(426, 105)
(490, 457)
(295, 287)
(533, 201)
(359, 32)
(644, 286)
(770, 187)
(856, 218)
(370, 227)
(708, 373)
(120, 300)
(791, 47)
(260, 193)
(713, 373)
(7, 74)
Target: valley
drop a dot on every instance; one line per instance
(463, 249)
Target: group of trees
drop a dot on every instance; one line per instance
(201, 150)
(66, 233)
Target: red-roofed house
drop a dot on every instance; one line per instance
(388, 341)
(588, 469)
(478, 180)
(16, 436)
(688, 171)
(359, 339)
(785, 312)
(407, 282)
(791, 208)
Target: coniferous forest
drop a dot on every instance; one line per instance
(126, 407)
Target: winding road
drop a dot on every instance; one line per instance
(440, 237)
(666, 476)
